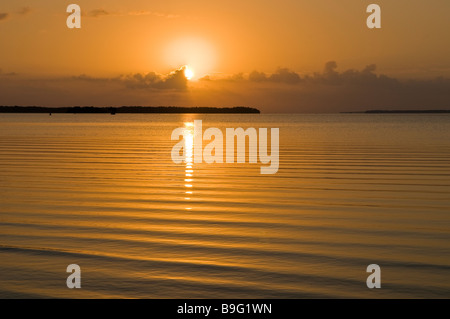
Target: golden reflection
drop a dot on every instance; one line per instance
(189, 153)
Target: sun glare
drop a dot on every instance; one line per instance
(188, 73)
(197, 55)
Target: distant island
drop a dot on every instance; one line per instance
(127, 109)
(401, 111)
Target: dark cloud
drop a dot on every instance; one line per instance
(331, 90)
(98, 13)
(256, 76)
(87, 78)
(283, 75)
(24, 11)
(7, 74)
(156, 14)
(366, 76)
(236, 77)
(329, 76)
(330, 67)
(175, 80)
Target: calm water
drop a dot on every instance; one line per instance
(102, 192)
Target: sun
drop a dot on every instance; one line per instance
(197, 56)
(188, 73)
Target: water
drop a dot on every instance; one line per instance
(102, 192)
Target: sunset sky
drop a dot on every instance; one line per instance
(278, 56)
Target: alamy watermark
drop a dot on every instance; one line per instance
(373, 20)
(190, 147)
(74, 280)
(374, 279)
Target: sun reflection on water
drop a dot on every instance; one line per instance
(189, 153)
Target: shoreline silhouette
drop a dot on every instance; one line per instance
(397, 112)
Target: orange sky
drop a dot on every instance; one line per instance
(216, 39)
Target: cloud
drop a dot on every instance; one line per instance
(88, 78)
(157, 14)
(205, 78)
(330, 90)
(140, 13)
(329, 76)
(176, 80)
(284, 75)
(7, 74)
(4, 16)
(256, 76)
(366, 76)
(24, 11)
(97, 13)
